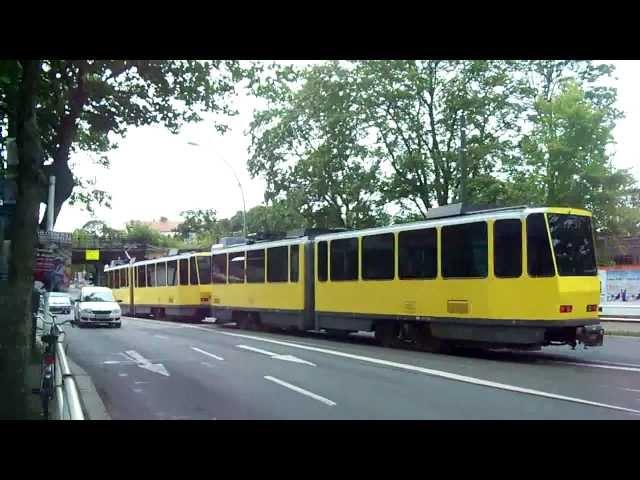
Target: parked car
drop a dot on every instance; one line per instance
(59, 304)
(97, 306)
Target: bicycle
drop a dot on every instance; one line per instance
(47, 387)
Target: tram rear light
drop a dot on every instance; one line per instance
(566, 308)
(592, 308)
(48, 359)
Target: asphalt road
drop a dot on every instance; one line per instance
(162, 370)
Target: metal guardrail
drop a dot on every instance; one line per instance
(67, 397)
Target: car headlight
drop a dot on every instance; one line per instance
(86, 311)
(116, 312)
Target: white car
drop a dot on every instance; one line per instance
(59, 304)
(96, 306)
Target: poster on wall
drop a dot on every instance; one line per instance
(53, 261)
(623, 286)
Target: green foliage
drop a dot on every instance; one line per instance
(87, 105)
(197, 222)
(310, 147)
(342, 142)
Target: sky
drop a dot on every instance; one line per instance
(155, 173)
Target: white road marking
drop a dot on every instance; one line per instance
(258, 350)
(140, 383)
(123, 374)
(206, 364)
(118, 362)
(146, 364)
(437, 373)
(631, 389)
(277, 356)
(137, 390)
(597, 365)
(324, 400)
(207, 353)
(164, 337)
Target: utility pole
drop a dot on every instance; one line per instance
(51, 203)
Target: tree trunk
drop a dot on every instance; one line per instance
(15, 324)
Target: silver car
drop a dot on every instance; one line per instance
(59, 304)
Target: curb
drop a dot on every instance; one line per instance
(92, 405)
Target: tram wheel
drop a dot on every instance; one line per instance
(386, 334)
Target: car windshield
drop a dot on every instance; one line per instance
(573, 244)
(102, 296)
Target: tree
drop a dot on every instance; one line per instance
(86, 104)
(197, 222)
(15, 301)
(566, 153)
(308, 144)
(138, 232)
(420, 113)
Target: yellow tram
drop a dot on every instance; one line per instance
(515, 277)
(177, 287)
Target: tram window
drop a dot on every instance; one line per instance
(204, 270)
(219, 264)
(418, 254)
(184, 271)
(236, 267)
(572, 241)
(255, 266)
(464, 250)
(142, 278)
(539, 261)
(172, 278)
(151, 275)
(294, 263)
(322, 261)
(378, 253)
(193, 273)
(507, 248)
(344, 259)
(161, 274)
(277, 264)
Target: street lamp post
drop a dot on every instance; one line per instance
(244, 212)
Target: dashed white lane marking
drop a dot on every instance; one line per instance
(258, 350)
(277, 356)
(302, 391)
(137, 390)
(164, 337)
(631, 390)
(140, 383)
(207, 353)
(437, 373)
(123, 374)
